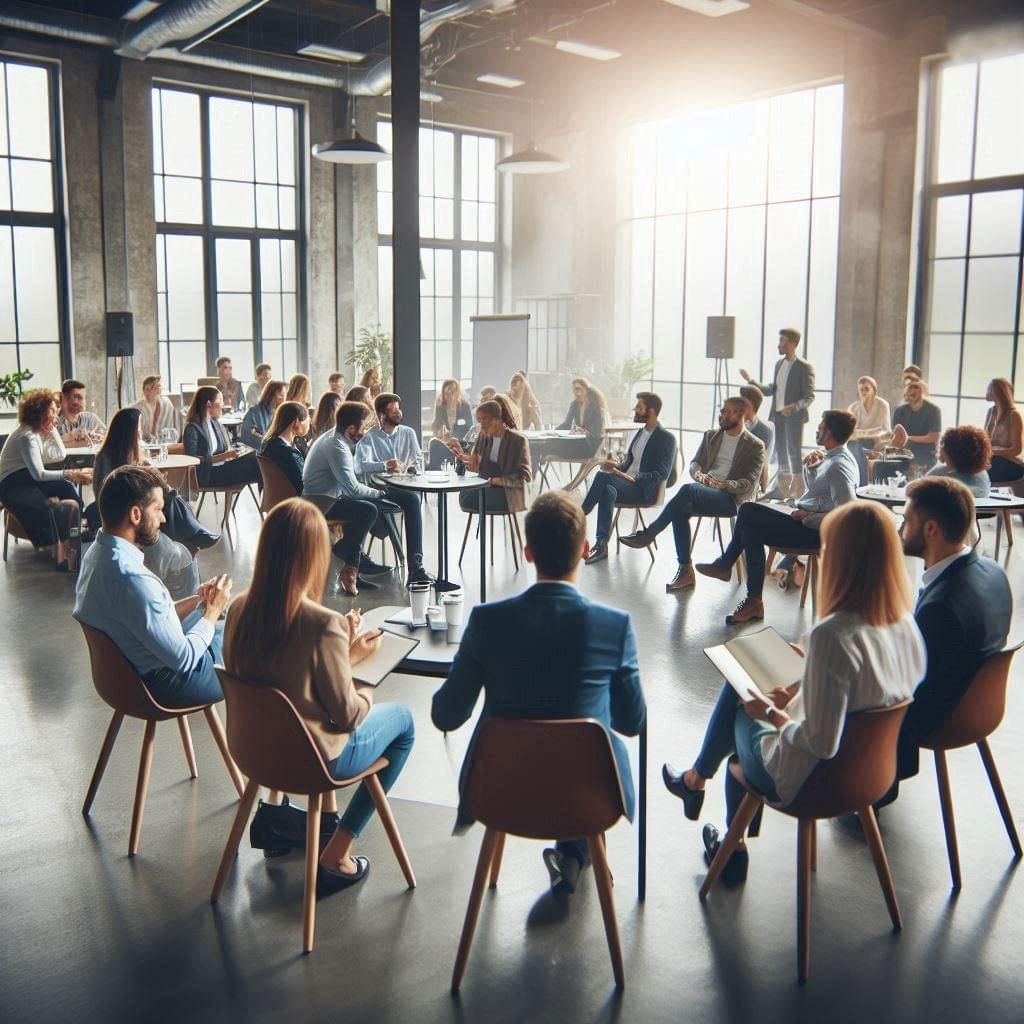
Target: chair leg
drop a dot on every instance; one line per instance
(515, 555)
(999, 793)
(807, 583)
(235, 837)
(499, 852)
(803, 895)
(519, 536)
(199, 507)
(814, 845)
(186, 742)
(213, 721)
(769, 561)
(312, 856)
(329, 803)
(747, 809)
(465, 537)
(694, 532)
(476, 895)
(483, 526)
(274, 796)
(101, 761)
(603, 878)
(948, 820)
(869, 823)
(1008, 523)
(615, 530)
(387, 818)
(141, 786)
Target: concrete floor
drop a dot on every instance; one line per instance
(90, 934)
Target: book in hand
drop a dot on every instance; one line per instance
(756, 663)
(393, 650)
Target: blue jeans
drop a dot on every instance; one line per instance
(387, 731)
(789, 436)
(175, 689)
(691, 500)
(732, 731)
(605, 491)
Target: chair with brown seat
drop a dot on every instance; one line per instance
(568, 786)
(120, 686)
(272, 745)
(810, 575)
(860, 773)
(12, 528)
(975, 718)
(276, 485)
(231, 493)
(638, 507)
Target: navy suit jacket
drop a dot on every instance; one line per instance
(656, 462)
(197, 443)
(547, 653)
(964, 617)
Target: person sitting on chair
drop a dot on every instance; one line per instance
(548, 653)
(725, 472)
(761, 429)
(228, 384)
(264, 371)
(158, 412)
(77, 426)
(291, 420)
(635, 480)
(220, 464)
(864, 652)
(336, 383)
(259, 414)
(173, 646)
(917, 424)
(964, 455)
(831, 480)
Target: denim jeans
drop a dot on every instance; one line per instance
(691, 500)
(175, 689)
(789, 437)
(732, 731)
(387, 731)
(605, 491)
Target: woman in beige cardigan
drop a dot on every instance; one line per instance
(873, 423)
(500, 454)
(278, 634)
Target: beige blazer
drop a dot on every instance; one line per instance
(512, 465)
(311, 667)
(745, 473)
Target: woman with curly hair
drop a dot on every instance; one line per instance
(964, 455)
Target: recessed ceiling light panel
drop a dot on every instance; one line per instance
(140, 10)
(505, 81)
(331, 53)
(712, 8)
(586, 50)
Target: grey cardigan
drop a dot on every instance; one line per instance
(747, 463)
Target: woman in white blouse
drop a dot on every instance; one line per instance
(866, 652)
(873, 423)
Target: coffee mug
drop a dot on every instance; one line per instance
(453, 605)
(419, 598)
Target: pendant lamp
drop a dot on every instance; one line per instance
(531, 161)
(353, 150)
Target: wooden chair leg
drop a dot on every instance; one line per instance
(869, 823)
(186, 742)
(1000, 794)
(329, 803)
(387, 818)
(465, 537)
(234, 838)
(101, 762)
(694, 532)
(499, 852)
(476, 895)
(1008, 523)
(213, 721)
(814, 845)
(741, 562)
(807, 583)
(312, 856)
(769, 561)
(803, 896)
(744, 815)
(141, 786)
(603, 879)
(948, 819)
(615, 530)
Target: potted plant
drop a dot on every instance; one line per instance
(11, 386)
(373, 349)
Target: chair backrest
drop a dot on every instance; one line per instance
(276, 486)
(545, 779)
(981, 708)
(269, 740)
(677, 470)
(862, 770)
(117, 682)
(207, 382)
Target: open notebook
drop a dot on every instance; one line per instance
(393, 650)
(755, 663)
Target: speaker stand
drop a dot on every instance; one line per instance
(120, 384)
(720, 392)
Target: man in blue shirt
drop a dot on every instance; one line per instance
(830, 478)
(548, 653)
(390, 445)
(172, 646)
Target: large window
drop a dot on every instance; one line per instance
(458, 242)
(33, 328)
(228, 247)
(969, 324)
(731, 212)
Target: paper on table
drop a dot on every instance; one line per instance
(393, 650)
(755, 664)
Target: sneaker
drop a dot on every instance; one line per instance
(684, 579)
(750, 609)
(717, 570)
(418, 574)
(368, 567)
(640, 539)
(598, 553)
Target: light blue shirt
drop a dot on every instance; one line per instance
(330, 469)
(119, 596)
(831, 483)
(377, 448)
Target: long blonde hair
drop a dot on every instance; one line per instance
(293, 557)
(511, 414)
(862, 565)
(299, 389)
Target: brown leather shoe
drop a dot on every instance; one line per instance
(750, 609)
(717, 570)
(683, 580)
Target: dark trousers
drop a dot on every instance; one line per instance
(859, 450)
(358, 517)
(789, 438)
(1004, 470)
(243, 470)
(691, 500)
(44, 522)
(606, 490)
(409, 502)
(758, 526)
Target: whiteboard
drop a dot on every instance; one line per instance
(499, 349)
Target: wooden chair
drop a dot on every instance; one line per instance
(638, 507)
(276, 485)
(810, 575)
(231, 493)
(716, 532)
(859, 774)
(273, 746)
(975, 718)
(120, 686)
(543, 780)
(12, 528)
(492, 514)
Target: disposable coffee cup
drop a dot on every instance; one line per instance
(453, 604)
(419, 597)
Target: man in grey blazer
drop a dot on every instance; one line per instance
(726, 472)
(792, 391)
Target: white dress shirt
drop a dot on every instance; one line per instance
(636, 449)
(931, 574)
(781, 379)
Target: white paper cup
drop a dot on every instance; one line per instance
(419, 598)
(453, 604)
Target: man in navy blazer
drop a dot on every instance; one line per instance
(648, 463)
(548, 653)
(963, 610)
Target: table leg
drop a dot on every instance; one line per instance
(442, 536)
(483, 546)
(641, 874)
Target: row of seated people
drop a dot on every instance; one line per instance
(871, 648)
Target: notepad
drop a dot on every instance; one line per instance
(393, 650)
(756, 663)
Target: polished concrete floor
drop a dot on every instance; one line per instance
(89, 934)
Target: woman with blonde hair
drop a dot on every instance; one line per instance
(872, 416)
(299, 390)
(865, 652)
(1005, 428)
(452, 414)
(511, 414)
(521, 393)
(279, 634)
(371, 380)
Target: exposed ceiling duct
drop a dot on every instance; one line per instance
(176, 21)
(72, 27)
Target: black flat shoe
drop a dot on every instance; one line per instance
(563, 870)
(693, 799)
(329, 882)
(277, 829)
(735, 870)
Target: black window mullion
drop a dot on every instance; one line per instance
(456, 368)
(209, 241)
(257, 300)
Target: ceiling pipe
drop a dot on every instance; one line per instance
(175, 21)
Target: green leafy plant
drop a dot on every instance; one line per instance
(373, 349)
(623, 378)
(11, 386)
